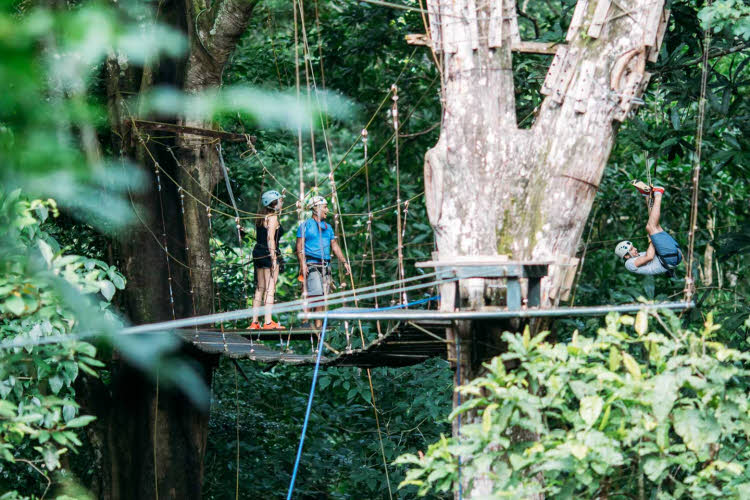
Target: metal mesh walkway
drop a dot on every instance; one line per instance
(406, 344)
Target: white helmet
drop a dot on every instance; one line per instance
(315, 201)
(269, 197)
(622, 248)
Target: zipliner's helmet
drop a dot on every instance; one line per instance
(269, 197)
(622, 248)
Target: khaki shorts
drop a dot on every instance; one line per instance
(318, 281)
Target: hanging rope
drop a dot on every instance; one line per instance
(689, 282)
(399, 234)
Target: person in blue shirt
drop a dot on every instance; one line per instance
(315, 243)
(663, 253)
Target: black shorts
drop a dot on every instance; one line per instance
(262, 258)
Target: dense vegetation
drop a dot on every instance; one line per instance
(60, 271)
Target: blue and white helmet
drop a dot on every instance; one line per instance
(622, 248)
(269, 197)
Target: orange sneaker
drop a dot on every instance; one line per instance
(657, 189)
(254, 326)
(272, 326)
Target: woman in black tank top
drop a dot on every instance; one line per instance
(267, 260)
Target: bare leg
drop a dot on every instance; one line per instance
(319, 322)
(273, 276)
(653, 226)
(260, 289)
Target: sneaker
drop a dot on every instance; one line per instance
(254, 326)
(657, 189)
(642, 187)
(272, 326)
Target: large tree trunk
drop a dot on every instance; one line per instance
(494, 189)
(152, 439)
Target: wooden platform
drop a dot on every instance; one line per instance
(404, 345)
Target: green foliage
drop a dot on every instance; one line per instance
(730, 15)
(342, 457)
(597, 415)
(39, 415)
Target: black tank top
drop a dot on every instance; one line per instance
(261, 241)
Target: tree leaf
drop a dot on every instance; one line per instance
(107, 288)
(80, 421)
(487, 418)
(14, 304)
(641, 322)
(697, 430)
(55, 383)
(631, 365)
(590, 408)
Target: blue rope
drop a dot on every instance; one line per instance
(309, 406)
(400, 306)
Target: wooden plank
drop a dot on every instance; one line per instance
(513, 295)
(417, 39)
(651, 26)
(577, 20)
(534, 292)
(473, 24)
(495, 30)
(567, 72)
(599, 19)
(435, 28)
(654, 51)
(583, 88)
(183, 129)
(554, 69)
(515, 35)
(535, 47)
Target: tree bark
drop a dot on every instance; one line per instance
(151, 439)
(494, 189)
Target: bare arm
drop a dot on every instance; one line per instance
(645, 259)
(272, 224)
(301, 255)
(336, 249)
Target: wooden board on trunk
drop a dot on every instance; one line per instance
(512, 16)
(599, 19)
(473, 24)
(495, 30)
(653, 53)
(567, 71)
(535, 47)
(577, 20)
(435, 28)
(653, 20)
(554, 70)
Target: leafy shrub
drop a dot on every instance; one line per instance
(38, 412)
(629, 413)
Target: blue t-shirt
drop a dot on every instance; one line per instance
(318, 237)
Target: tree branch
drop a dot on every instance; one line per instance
(711, 55)
(228, 23)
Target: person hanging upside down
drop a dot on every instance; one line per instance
(267, 259)
(663, 253)
(315, 241)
